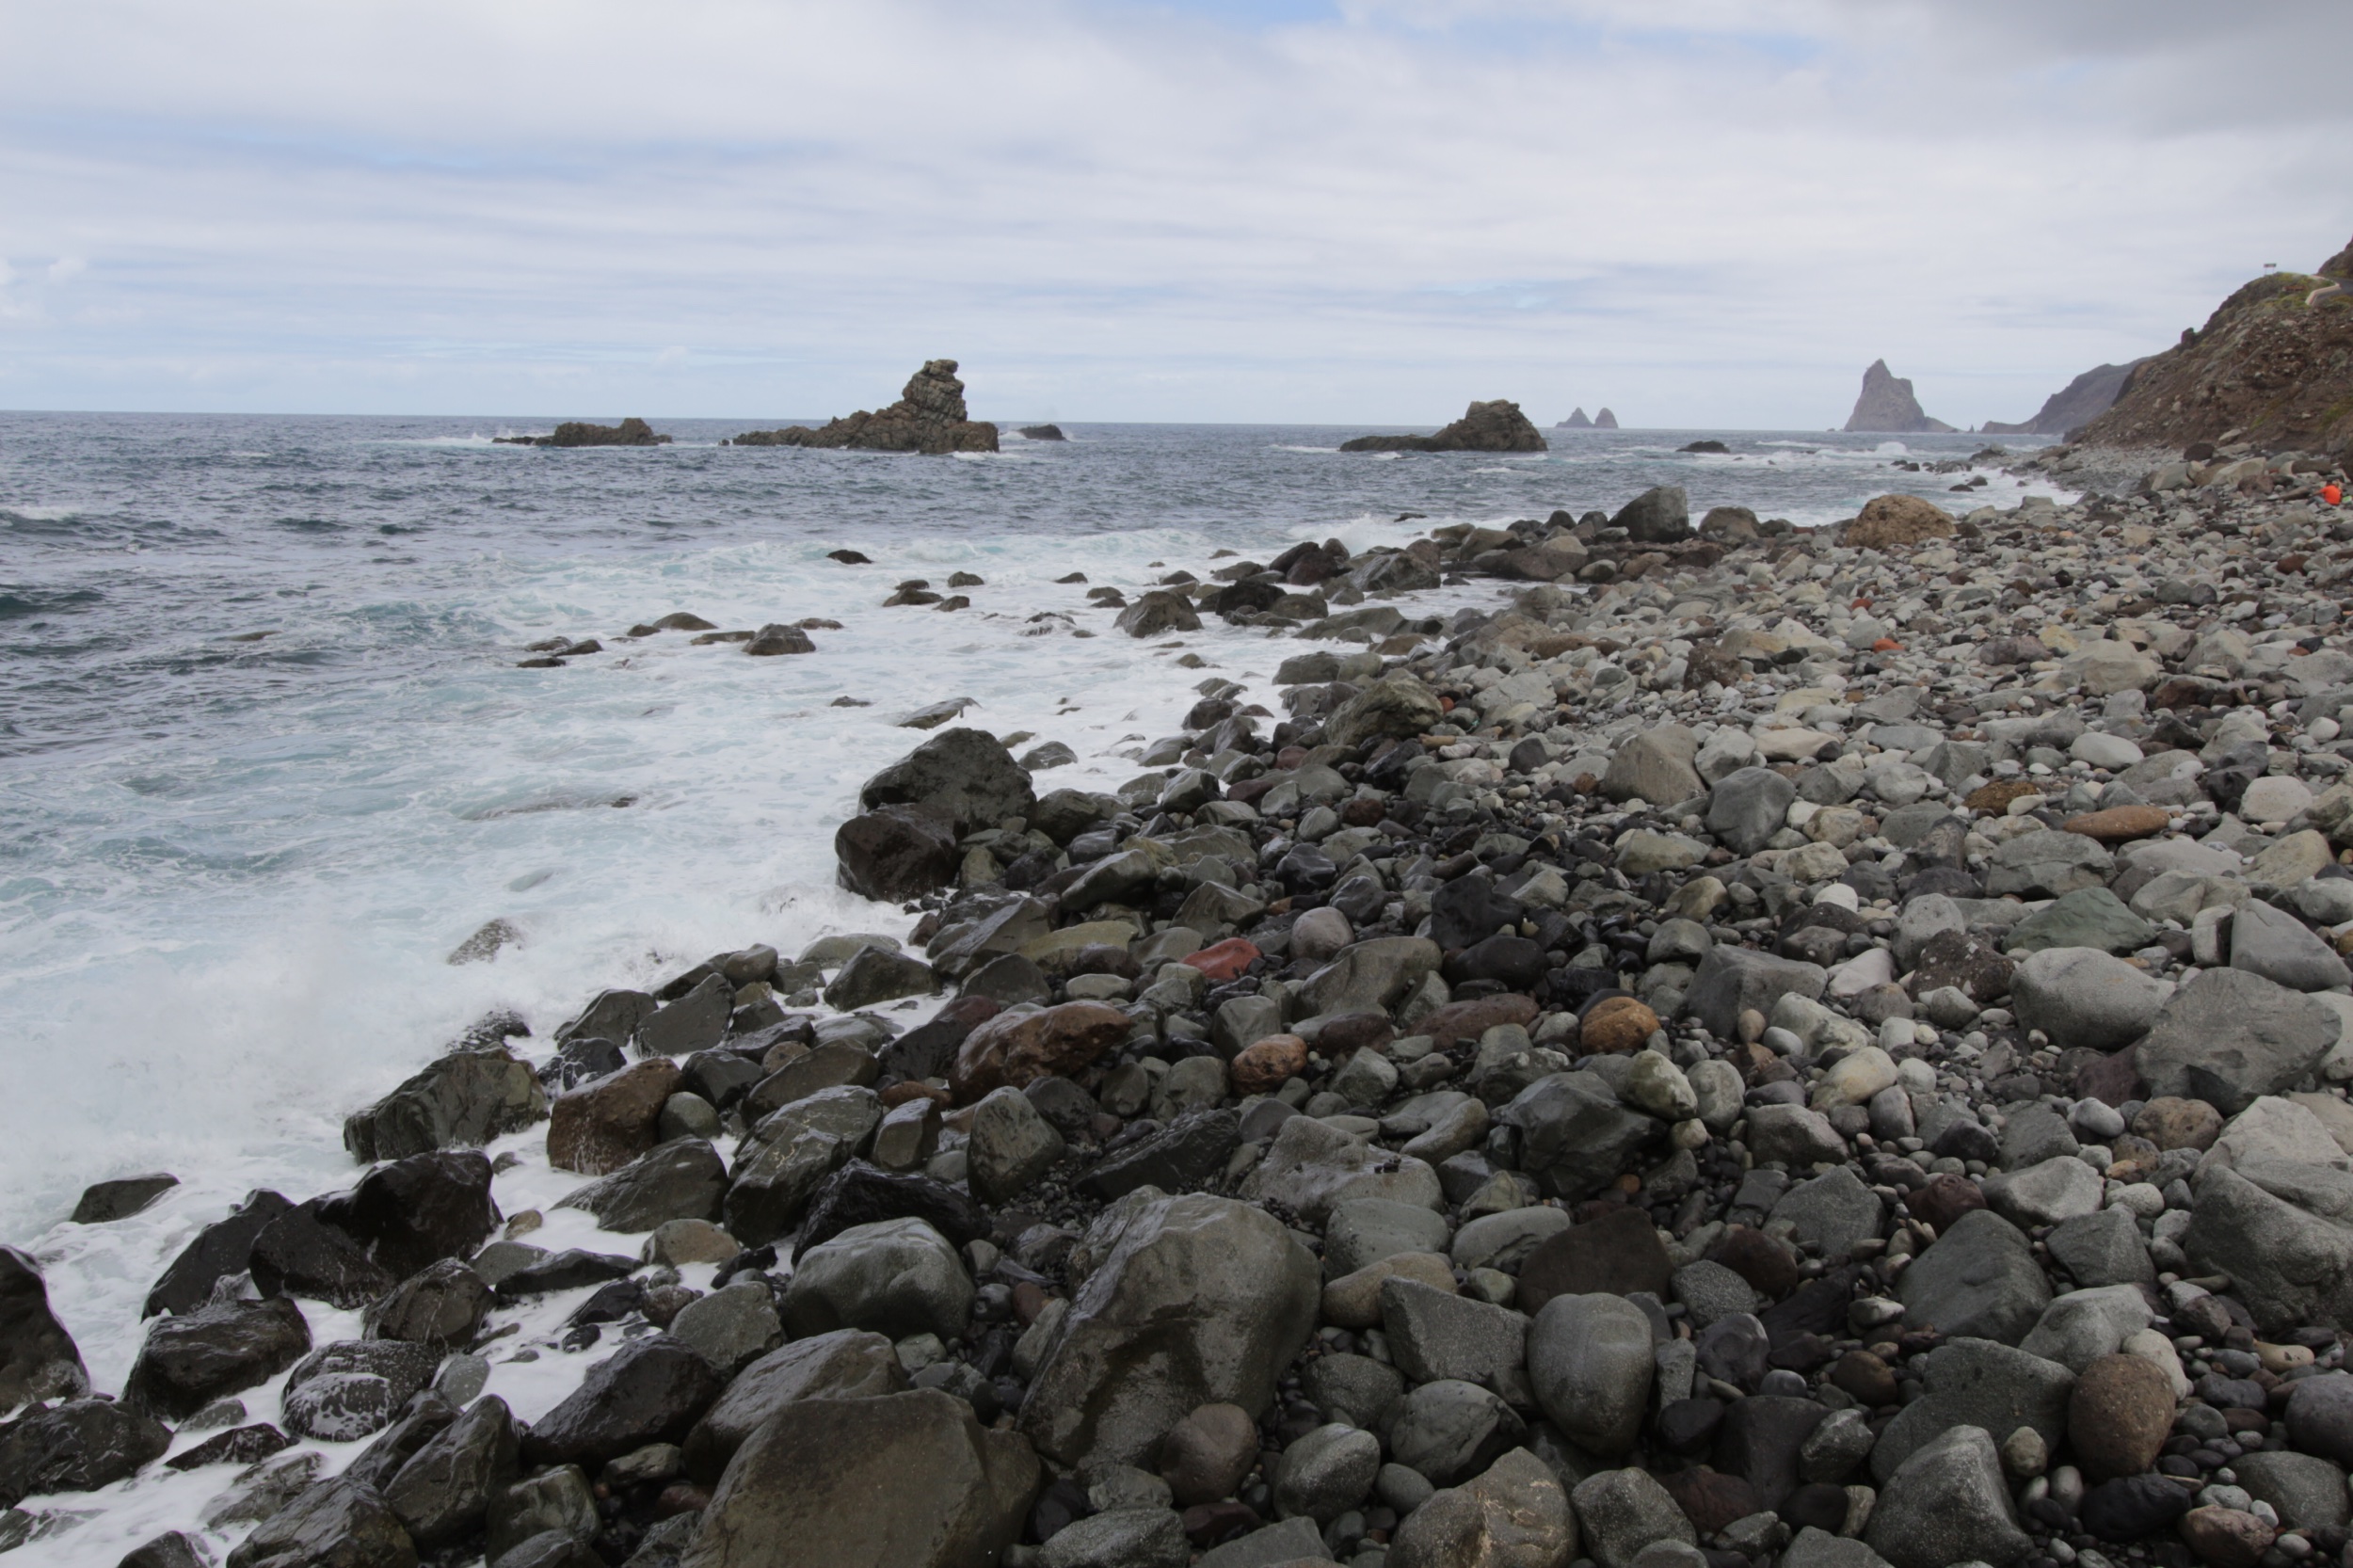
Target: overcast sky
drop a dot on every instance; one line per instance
(1369, 211)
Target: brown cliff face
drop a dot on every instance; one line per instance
(928, 418)
(1497, 426)
(2267, 368)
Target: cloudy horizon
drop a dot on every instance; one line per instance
(1296, 211)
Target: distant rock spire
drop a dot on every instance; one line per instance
(1575, 421)
(1605, 421)
(1887, 405)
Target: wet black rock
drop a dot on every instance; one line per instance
(650, 1390)
(105, 1202)
(190, 1360)
(79, 1446)
(221, 1248)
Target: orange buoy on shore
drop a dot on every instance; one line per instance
(2332, 494)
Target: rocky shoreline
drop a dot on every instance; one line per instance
(1769, 1050)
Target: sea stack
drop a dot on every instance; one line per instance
(1887, 405)
(1605, 421)
(1577, 420)
(929, 418)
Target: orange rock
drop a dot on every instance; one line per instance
(1885, 645)
(2117, 824)
(1618, 1025)
(1264, 1068)
(605, 1126)
(1221, 961)
(1017, 1049)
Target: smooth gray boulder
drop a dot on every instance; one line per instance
(1199, 1300)
(2047, 864)
(903, 1478)
(1620, 1512)
(2284, 1236)
(1365, 1230)
(1449, 1431)
(1656, 766)
(1834, 1210)
(1011, 1147)
(2229, 1036)
(1977, 1382)
(898, 1278)
(682, 1179)
(1325, 1473)
(1978, 1280)
(2085, 996)
(2105, 1248)
(1732, 980)
(846, 1364)
(1948, 1503)
(1575, 1135)
(1515, 1515)
(1436, 1333)
(1591, 1364)
(2279, 947)
(1748, 806)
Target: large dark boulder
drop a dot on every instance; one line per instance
(301, 1253)
(337, 1523)
(909, 1479)
(1661, 515)
(964, 775)
(860, 1193)
(420, 1210)
(846, 1364)
(650, 1390)
(353, 1387)
(460, 1100)
(191, 1360)
(221, 1248)
(442, 1303)
(443, 1492)
(1497, 426)
(898, 852)
(1199, 1300)
(77, 1446)
(105, 1202)
(38, 1357)
(682, 1179)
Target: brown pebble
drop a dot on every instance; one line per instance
(2120, 1415)
(1945, 1200)
(2225, 1537)
(2119, 825)
(1617, 1026)
(1994, 799)
(2172, 1122)
(1265, 1066)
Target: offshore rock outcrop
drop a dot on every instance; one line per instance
(630, 432)
(1887, 403)
(2267, 369)
(929, 418)
(1577, 420)
(1497, 426)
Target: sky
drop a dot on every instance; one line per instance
(1705, 214)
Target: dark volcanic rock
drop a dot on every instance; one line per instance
(1497, 426)
(77, 1446)
(966, 775)
(336, 1524)
(858, 1193)
(38, 1357)
(221, 1248)
(630, 432)
(650, 1390)
(300, 1254)
(189, 1361)
(929, 418)
(463, 1099)
(103, 1202)
(420, 1209)
(909, 1479)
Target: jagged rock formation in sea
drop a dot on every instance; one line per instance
(2267, 368)
(1497, 426)
(1577, 420)
(929, 418)
(1887, 403)
(2073, 405)
(1605, 421)
(630, 432)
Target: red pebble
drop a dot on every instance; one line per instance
(1225, 959)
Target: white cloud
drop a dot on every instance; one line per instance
(1163, 212)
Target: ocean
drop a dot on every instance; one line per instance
(267, 758)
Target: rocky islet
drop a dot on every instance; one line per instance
(1734, 1057)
